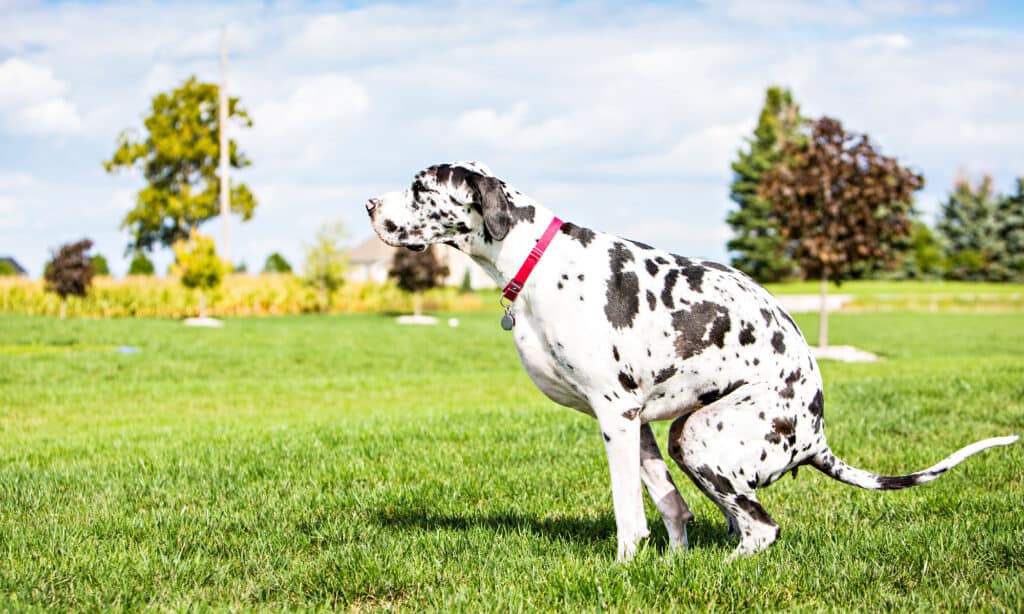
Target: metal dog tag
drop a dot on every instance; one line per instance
(507, 321)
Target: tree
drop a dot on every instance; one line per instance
(178, 158)
(417, 271)
(69, 272)
(923, 258)
(276, 264)
(758, 244)
(969, 225)
(7, 269)
(326, 261)
(141, 265)
(99, 265)
(840, 204)
(198, 266)
(1010, 225)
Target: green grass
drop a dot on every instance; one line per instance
(878, 295)
(348, 463)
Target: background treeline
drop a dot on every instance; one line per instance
(978, 234)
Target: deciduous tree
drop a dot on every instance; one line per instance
(178, 157)
(70, 272)
(417, 271)
(327, 261)
(198, 265)
(276, 263)
(840, 203)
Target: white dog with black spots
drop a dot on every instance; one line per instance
(630, 334)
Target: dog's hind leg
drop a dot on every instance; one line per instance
(720, 448)
(654, 473)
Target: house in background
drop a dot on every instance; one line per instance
(371, 260)
(8, 262)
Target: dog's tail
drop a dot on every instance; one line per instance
(827, 462)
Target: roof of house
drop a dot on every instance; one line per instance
(370, 251)
(14, 263)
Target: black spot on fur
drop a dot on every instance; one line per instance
(777, 343)
(785, 427)
(700, 327)
(817, 410)
(631, 414)
(664, 374)
(390, 226)
(897, 482)
(670, 284)
(623, 293)
(583, 235)
(764, 454)
(767, 315)
(788, 392)
(652, 268)
(615, 353)
(711, 396)
(747, 334)
(639, 244)
(717, 267)
(720, 483)
(694, 275)
(627, 381)
(772, 437)
(652, 301)
(605, 435)
(754, 509)
(790, 320)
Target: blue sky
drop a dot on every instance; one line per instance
(619, 116)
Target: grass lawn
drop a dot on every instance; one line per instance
(348, 463)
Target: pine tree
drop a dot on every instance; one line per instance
(760, 249)
(968, 224)
(1010, 232)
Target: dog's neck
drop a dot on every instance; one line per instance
(502, 259)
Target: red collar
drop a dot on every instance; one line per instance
(515, 286)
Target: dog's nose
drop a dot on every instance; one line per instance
(372, 204)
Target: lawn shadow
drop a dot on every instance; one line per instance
(572, 529)
(564, 528)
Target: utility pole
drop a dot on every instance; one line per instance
(225, 184)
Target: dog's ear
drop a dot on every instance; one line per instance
(493, 204)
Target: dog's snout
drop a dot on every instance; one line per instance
(372, 204)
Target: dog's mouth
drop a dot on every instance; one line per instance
(416, 247)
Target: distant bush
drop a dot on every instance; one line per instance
(276, 264)
(7, 269)
(99, 265)
(238, 295)
(141, 265)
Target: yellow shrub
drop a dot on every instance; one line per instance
(239, 295)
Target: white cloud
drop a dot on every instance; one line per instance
(33, 100)
(310, 120)
(894, 41)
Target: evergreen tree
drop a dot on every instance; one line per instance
(99, 265)
(758, 244)
(141, 265)
(968, 224)
(276, 263)
(1010, 232)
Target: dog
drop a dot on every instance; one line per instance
(630, 334)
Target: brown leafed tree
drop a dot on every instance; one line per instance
(70, 272)
(840, 204)
(417, 271)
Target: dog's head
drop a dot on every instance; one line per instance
(448, 203)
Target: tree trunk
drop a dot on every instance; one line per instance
(417, 304)
(202, 304)
(823, 317)
(63, 308)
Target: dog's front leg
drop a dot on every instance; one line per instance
(621, 431)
